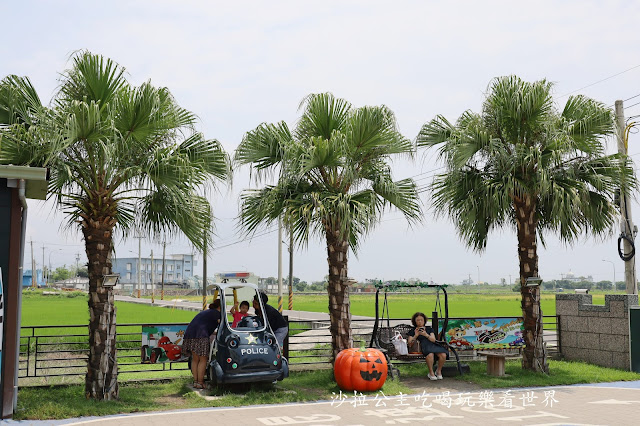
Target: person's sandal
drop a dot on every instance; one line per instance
(197, 385)
(439, 376)
(431, 377)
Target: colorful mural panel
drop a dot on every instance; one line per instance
(162, 343)
(486, 333)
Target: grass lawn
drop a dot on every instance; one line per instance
(68, 401)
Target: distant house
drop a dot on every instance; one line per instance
(179, 271)
(27, 277)
(78, 283)
(574, 278)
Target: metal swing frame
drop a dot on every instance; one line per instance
(376, 340)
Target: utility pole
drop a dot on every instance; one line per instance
(77, 260)
(614, 272)
(628, 230)
(46, 281)
(164, 250)
(33, 268)
(279, 264)
(139, 237)
(152, 279)
(290, 269)
(204, 277)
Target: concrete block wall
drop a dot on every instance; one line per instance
(598, 334)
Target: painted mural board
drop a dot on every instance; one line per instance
(162, 343)
(486, 333)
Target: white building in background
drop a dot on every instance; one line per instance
(570, 276)
(179, 271)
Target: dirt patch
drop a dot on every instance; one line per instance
(171, 400)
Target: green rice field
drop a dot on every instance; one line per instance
(70, 309)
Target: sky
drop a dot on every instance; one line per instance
(239, 64)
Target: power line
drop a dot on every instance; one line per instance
(637, 103)
(628, 99)
(624, 100)
(600, 81)
(59, 244)
(246, 239)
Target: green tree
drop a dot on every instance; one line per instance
(334, 182)
(604, 285)
(61, 273)
(82, 272)
(318, 286)
(522, 164)
(122, 158)
(300, 286)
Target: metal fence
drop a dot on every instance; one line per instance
(48, 353)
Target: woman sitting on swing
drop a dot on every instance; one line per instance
(424, 334)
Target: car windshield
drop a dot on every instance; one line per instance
(241, 316)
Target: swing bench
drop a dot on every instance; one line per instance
(383, 334)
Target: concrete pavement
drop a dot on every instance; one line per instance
(596, 404)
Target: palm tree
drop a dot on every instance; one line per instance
(334, 182)
(521, 163)
(121, 158)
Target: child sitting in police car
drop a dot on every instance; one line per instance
(239, 312)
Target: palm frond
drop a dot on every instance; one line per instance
(264, 148)
(19, 101)
(168, 210)
(91, 78)
(521, 148)
(322, 114)
(333, 174)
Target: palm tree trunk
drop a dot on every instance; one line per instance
(339, 305)
(534, 356)
(101, 382)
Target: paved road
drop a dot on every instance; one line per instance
(603, 404)
(197, 306)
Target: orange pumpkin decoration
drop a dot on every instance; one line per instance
(360, 369)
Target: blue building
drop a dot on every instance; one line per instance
(179, 271)
(27, 275)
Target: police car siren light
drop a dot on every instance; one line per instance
(235, 275)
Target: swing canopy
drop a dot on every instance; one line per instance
(388, 287)
(382, 335)
(393, 286)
